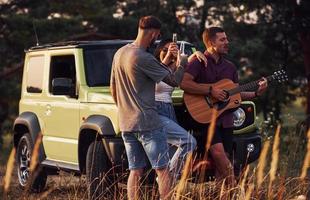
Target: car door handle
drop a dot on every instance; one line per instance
(48, 110)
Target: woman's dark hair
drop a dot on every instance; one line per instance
(160, 47)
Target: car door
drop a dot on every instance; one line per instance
(61, 116)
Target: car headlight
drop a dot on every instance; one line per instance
(239, 117)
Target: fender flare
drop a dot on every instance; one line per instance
(28, 122)
(100, 124)
(93, 126)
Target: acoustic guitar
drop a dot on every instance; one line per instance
(200, 106)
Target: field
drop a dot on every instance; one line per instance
(281, 172)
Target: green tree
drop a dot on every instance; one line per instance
(266, 34)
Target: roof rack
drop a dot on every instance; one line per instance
(76, 43)
(60, 44)
(71, 44)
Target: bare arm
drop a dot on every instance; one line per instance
(175, 78)
(262, 86)
(112, 84)
(247, 95)
(190, 86)
(200, 56)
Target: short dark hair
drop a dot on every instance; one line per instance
(149, 22)
(210, 33)
(160, 47)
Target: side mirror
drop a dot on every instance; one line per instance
(62, 86)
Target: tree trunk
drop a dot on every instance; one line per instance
(204, 16)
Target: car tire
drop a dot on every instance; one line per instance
(100, 183)
(36, 181)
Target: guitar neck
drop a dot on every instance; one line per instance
(247, 87)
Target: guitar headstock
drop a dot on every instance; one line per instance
(280, 76)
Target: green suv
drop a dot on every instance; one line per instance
(66, 105)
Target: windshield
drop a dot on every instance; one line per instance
(98, 62)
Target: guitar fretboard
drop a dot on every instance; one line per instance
(248, 86)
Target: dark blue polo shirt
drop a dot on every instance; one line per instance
(214, 72)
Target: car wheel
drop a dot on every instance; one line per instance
(100, 182)
(34, 182)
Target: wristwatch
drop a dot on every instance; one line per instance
(210, 90)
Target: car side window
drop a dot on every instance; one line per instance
(35, 74)
(62, 80)
(98, 64)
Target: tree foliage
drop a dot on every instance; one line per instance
(264, 35)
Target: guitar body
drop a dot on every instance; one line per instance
(200, 107)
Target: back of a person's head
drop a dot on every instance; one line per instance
(149, 22)
(209, 34)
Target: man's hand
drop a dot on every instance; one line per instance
(218, 94)
(262, 86)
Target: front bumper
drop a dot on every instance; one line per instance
(247, 148)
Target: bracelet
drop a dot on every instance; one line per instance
(210, 90)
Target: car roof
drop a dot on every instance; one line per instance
(83, 44)
(76, 44)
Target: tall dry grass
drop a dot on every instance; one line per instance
(253, 184)
(275, 159)
(262, 164)
(210, 134)
(184, 178)
(9, 171)
(306, 164)
(35, 153)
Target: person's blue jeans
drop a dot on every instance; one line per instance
(152, 144)
(179, 137)
(166, 109)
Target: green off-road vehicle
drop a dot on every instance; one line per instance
(67, 109)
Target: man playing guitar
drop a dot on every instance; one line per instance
(197, 80)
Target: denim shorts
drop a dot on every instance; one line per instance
(151, 145)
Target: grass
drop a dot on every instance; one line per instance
(268, 180)
(282, 172)
(6, 148)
